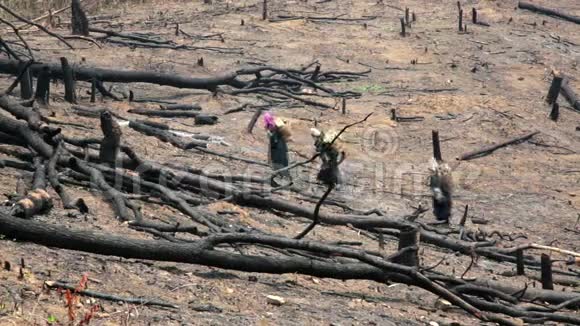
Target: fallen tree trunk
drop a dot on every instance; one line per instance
(202, 252)
(548, 11)
(166, 113)
(243, 81)
(126, 76)
(64, 238)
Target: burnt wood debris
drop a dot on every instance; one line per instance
(123, 174)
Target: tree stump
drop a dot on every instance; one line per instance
(79, 21)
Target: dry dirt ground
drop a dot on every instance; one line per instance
(476, 88)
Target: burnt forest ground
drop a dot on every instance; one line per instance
(476, 88)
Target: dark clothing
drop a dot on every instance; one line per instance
(442, 202)
(329, 173)
(278, 152)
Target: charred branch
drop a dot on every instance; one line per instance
(548, 11)
(490, 149)
(39, 26)
(104, 296)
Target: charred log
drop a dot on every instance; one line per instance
(120, 76)
(548, 11)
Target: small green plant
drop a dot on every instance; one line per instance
(51, 320)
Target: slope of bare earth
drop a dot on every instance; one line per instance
(476, 88)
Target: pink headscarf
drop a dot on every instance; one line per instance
(269, 121)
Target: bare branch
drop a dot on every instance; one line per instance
(17, 16)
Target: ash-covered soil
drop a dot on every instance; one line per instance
(477, 88)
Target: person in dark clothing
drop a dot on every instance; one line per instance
(441, 184)
(279, 135)
(331, 156)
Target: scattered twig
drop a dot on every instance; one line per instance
(24, 43)
(109, 297)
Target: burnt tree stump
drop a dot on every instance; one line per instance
(69, 82)
(520, 262)
(547, 282)
(555, 87)
(403, 32)
(265, 10)
(79, 21)
(436, 146)
(111, 142)
(26, 91)
(408, 238)
(43, 86)
(555, 112)
(93, 90)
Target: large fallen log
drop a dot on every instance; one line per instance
(261, 76)
(126, 76)
(203, 252)
(548, 11)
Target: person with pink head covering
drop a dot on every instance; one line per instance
(278, 150)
